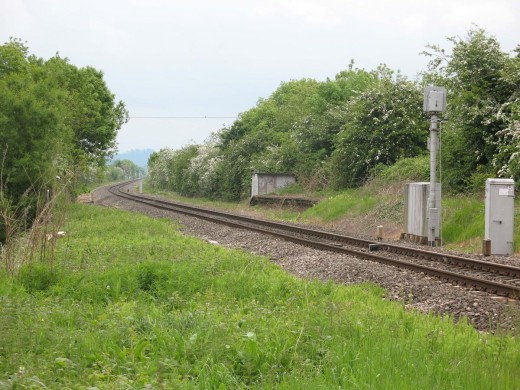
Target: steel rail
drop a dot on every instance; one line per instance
(460, 261)
(466, 280)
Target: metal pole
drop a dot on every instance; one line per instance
(433, 212)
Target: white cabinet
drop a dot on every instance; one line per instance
(500, 211)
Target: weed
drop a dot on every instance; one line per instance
(37, 277)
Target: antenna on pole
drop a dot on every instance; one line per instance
(434, 104)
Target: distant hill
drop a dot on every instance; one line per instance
(138, 156)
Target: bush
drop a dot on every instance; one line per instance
(477, 181)
(384, 124)
(406, 169)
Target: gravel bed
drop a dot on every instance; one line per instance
(416, 291)
(256, 212)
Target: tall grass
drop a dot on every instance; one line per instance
(133, 303)
(350, 202)
(27, 241)
(463, 221)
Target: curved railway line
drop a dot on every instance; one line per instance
(499, 279)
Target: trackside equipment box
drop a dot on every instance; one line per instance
(500, 212)
(416, 211)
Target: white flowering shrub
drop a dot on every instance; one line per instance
(507, 160)
(202, 171)
(159, 168)
(383, 125)
(481, 136)
(189, 171)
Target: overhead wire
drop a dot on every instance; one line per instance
(182, 117)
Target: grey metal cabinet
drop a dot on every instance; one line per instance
(416, 210)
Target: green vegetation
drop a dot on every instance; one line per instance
(334, 134)
(120, 170)
(406, 169)
(463, 225)
(382, 125)
(464, 221)
(58, 124)
(379, 202)
(130, 302)
(481, 134)
(350, 202)
(125, 301)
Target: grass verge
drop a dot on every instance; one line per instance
(132, 303)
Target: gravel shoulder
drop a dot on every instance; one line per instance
(416, 291)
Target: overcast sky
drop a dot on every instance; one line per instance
(216, 58)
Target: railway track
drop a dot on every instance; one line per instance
(494, 278)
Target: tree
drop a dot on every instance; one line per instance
(291, 131)
(383, 125)
(483, 84)
(57, 122)
(507, 158)
(32, 134)
(170, 169)
(93, 114)
(128, 168)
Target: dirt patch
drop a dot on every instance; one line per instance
(84, 198)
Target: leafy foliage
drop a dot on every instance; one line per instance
(169, 169)
(293, 130)
(383, 125)
(482, 131)
(123, 170)
(57, 123)
(334, 133)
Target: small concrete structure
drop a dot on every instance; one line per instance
(281, 200)
(266, 183)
